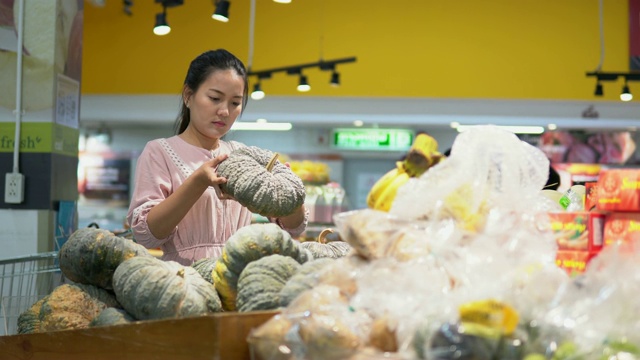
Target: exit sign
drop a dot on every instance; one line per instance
(372, 139)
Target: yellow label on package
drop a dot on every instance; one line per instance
(489, 318)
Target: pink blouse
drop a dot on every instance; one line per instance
(162, 167)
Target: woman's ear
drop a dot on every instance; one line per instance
(186, 95)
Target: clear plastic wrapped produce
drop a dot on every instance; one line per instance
(474, 229)
(487, 168)
(596, 315)
(319, 324)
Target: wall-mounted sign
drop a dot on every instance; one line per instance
(372, 139)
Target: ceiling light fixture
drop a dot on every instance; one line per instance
(626, 93)
(614, 76)
(610, 76)
(222, 11)
(283, 1)
(335, 79)
(257, 93)
(599, 91)
(516, 129)
(328, 65)
(303, 84)
(126, 7)
(162, 27)
(261, 126)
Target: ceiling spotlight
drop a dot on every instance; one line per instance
(162, 27)
(552, 127)
(599, 91)
(222, 11)
(257, 93)
(126, 6)
(303, 84)
(626, 93)
(283, 1)
(335, 79)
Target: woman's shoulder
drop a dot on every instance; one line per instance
(159, 141)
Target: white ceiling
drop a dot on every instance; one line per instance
(153, 110)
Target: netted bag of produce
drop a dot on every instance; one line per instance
(596, 315)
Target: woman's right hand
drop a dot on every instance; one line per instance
(208, 175)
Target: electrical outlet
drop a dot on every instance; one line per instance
(14, 188)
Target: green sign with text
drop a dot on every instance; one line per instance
(372, 139)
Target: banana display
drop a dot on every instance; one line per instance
(422, 155)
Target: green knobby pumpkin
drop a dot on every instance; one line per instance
(29, 320)
(261, 183)
(112, 316)
(248, 244)
(106, 296)
(306, 278)
(260, 283)
(149, 288)
(67, 307)
(205, 267)
(90, 256)
(323, 249)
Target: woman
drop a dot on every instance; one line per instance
(176, 204)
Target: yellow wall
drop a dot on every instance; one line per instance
(504, 49)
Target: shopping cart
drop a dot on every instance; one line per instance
(24, 281)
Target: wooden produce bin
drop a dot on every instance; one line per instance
(215, 336)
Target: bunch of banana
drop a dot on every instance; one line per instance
(422, 155)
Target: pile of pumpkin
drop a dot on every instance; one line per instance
(112, 280)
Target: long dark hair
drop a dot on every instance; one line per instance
(200, 69)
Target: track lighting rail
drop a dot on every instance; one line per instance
(296, 69)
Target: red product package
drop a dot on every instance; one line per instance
(621, 227)
(590, 195)
(619, 190)
(574, 262)
(578, 230)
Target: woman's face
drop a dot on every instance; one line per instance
(217, 103)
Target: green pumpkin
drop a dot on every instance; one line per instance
(67, 307)
(29, 320)
(107, 297)
(90, 256)
(320, 248)
(112, 316)
(306, 278)
(205, 267)
(248, 244)
(260, 283)
(265, 187)
(149, 288)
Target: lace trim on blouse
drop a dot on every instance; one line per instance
(177, 161)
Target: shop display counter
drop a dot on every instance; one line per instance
(215, 336)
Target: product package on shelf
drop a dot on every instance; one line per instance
(619, 190)
(578, 230)
(622, 228)
(325, 201)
